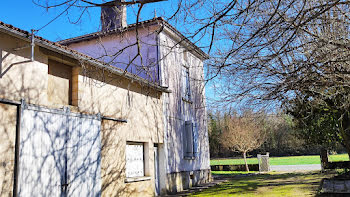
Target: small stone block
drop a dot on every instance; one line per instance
(347, 185)
(339, 187)
(327, 186)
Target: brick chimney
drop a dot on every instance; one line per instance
(113, 15)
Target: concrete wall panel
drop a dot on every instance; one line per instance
(142, 108)
(7, 147)
(20, 78)
(59, 88)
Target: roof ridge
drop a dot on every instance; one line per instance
(111, 31)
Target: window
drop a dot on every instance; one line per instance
(186, 91)
(59, 88)
(135, 166)
(190, 140)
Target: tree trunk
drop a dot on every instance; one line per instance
(345, 132)
(245, 161)
(346, 142)
(324, 158)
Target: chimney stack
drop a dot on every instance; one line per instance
(113, 15)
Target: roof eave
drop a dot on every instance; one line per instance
(188, 44)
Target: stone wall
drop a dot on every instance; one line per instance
(7, 147)
(253, 167)
(179, 181)
(172, 65)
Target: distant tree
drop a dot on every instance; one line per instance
(317, 123)
(215, 130)
(243, 134)
(281, 137)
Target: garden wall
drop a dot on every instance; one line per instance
(252, 167)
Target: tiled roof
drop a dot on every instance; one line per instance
(56, 47)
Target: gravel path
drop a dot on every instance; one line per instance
(293, 168)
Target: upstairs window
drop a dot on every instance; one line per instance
(59, 90)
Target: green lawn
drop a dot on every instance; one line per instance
(292, 160)
(272, 184)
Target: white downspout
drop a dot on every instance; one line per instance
(32, 44)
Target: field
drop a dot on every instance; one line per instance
(272, 184)
(292, 160)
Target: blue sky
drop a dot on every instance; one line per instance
(26, 15)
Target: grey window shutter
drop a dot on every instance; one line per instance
(195, 139)
(184, 140)
(189, 138)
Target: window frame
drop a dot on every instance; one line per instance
(186, 84)
(136, 178)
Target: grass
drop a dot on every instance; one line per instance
(292, 160)
(272, 184)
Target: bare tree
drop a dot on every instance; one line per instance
(243, 134)
(274, 52)
(258, 46)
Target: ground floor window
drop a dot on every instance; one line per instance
(190, 140)
(135, 166)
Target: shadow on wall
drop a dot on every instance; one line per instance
(15, 84)
(7, 148)
(113, 166)
(21, 78)
(4, 70)
(67, 159)
(59, 154)
(142, 108)
(113, 96)
(177, 117)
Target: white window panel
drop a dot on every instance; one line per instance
(134, 160)
(59, 153)
(84, 146)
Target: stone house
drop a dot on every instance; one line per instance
(73, 122)
(172, 61)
